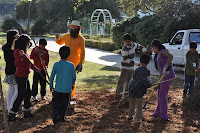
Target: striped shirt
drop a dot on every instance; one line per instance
(128, 54)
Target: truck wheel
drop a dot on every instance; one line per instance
(155, 62)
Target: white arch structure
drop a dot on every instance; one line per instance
(95, 19)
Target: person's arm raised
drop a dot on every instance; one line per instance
(59, 40)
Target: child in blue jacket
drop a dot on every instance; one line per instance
(65, 78)
(138, 87)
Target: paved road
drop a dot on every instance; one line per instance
(107, 58)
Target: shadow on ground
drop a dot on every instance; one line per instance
(112, 58)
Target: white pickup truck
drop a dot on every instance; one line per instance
(178, 46)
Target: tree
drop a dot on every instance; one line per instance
(195, 96)
(61, 11)
(10, 24)
(164, 8)
(64, 9)
(21, 10)
(87, 7)
(40, 27)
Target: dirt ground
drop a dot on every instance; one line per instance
(97, 112)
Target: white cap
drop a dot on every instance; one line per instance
(75, 22)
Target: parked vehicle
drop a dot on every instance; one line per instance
(178, 46)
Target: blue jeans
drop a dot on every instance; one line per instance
(189, 83)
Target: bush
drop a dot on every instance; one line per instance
(125, 26)
(11, 24)
(104, 45)
(40, 28)
(151, 27)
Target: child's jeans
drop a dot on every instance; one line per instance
(36, 78)
(132, 103)
(189, 83)
(60, 103)
(124, 79)
(24, 94)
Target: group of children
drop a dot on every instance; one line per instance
(138, 85)
(18, 68)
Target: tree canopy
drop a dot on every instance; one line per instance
(166, 8)
(64, 9)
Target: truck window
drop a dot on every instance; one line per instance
(178, 38)
(194, 36)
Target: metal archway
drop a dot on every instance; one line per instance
(95, 19)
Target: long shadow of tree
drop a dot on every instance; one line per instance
(112, 58)
(108, 68)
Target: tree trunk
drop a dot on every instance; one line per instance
(195, 96)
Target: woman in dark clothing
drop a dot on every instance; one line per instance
(10, 68)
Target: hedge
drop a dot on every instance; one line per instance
(104, 45)
(147, 28)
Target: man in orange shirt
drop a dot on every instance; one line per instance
(76, 43)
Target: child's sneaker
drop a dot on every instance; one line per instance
(34, 99)
(13, 117)
(43, 98)
(28, 114)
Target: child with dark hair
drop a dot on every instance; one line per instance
(43, 53)
(138, 87)
(22, 70)
(10, 68)
(127, 63)
(192, 65)
(164, 59)
(65, 78)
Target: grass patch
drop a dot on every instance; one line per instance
(93, 77)
(2, 40)
(97, 77)
(2, 34)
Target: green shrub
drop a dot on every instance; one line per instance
(125, 26)
(104, 45)
(40, 28)
(147, 28)
(11, 24)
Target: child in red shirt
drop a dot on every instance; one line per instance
(37, 62)
(22, 70)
